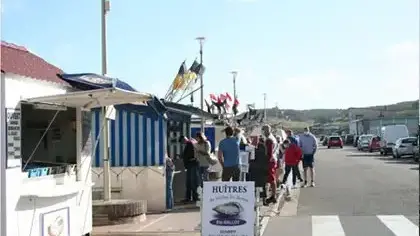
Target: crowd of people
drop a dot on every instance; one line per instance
(273, 159)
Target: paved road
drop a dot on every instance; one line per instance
(356, 194)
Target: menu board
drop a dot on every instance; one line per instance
(13, 124)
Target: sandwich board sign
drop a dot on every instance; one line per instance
(228, 209)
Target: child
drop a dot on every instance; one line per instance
(292, 156)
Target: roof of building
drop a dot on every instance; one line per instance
(18, 60)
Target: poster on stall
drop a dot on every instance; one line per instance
(13, 126)
(228, 209)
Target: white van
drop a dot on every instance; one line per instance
(389, 135)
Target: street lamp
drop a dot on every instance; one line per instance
(107, 168)
(201, 41)
(234, 74)
(265, 107)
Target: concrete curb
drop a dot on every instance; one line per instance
(274, 210)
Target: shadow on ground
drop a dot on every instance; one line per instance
(362, 154)
(390, 160)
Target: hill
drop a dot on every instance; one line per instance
(338, 117)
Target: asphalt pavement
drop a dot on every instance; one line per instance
(356, 193)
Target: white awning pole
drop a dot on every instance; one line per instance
(3, 156)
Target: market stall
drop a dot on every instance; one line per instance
(49, 185)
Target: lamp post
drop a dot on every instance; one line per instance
(201, 41)
(265, 107)
(234, 74)
(3, 155)
(105, 153)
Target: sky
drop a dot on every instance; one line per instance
(302, 53)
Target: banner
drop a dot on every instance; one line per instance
(228, 209)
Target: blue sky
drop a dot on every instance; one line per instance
(302, 53)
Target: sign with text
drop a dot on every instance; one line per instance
(228, 209)
(13, 127)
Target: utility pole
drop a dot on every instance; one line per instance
(277, 111)
(105, 151)
(265, 107)
(3, 155)
(234, 74)
(201, 41)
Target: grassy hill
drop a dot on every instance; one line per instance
(297, 119)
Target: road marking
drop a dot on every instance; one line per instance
(327, 226)
(153, 222)
(399, 225)
(290, 207)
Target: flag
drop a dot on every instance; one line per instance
(214, 98)
(229, 98)
(236, 102)
(208, 106)
(197, 69)
(222, 97)
(179, 81)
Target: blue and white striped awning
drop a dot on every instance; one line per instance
(136, 139)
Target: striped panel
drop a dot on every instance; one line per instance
(135, 139)
(175, 129)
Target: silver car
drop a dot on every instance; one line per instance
(404, 147)
(363, 142)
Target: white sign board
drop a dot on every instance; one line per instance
(228, 209)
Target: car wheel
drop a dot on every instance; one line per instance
(341, 146)
(381, 152)
(370, 150)
(329, 147)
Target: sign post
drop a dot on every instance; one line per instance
(228, 209)
(3, 159)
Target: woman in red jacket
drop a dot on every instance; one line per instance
(292, 156)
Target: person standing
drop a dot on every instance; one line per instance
(280, 160)
(202, 153)
(191, 165)
(228, 154)
(309, 145)
(169, 174)
(258, 169)
(270, 145)
(292, 156)
(293, 139)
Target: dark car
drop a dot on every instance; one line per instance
(335, 141)
(325, 141)
(355, 140)
(349, 139)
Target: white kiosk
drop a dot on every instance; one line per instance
(49, 184)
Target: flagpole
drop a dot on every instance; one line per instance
(201, 41)
(234, 74)
(107, 167)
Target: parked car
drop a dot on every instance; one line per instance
(403, 147)
(356, 140)
(374, 144)
(335, 141)
(416, 154)
(349, 139)
(325, 141)
(363, 142)
(389, 135)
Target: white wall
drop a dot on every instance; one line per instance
(24, 213)
(18, 88)
(137, 183)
